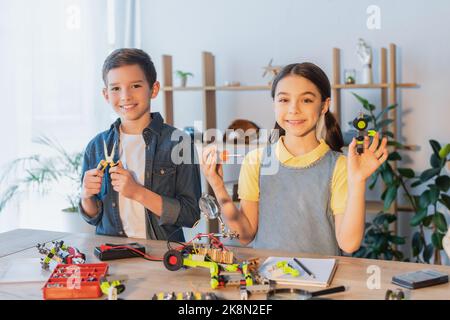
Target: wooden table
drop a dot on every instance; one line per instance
(146, 277)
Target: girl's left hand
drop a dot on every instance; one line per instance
(361, 166)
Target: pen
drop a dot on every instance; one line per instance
(304, 268)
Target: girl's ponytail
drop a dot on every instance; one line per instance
(333, 136)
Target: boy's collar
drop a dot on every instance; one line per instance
(155, 125)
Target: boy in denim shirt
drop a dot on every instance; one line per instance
(150, 194)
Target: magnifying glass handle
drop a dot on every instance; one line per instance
(328, 291)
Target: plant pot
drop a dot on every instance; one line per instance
(183, 82)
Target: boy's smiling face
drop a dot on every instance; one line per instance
(129, 92)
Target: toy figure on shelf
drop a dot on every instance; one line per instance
(59, 253)
(274, 70)
(360, 123)
(364, 52)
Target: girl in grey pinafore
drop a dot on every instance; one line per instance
(294, 206)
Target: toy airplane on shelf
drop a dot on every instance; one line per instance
(274, 70)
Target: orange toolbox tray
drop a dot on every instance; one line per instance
(75, 281)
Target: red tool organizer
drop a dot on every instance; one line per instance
(75, 281)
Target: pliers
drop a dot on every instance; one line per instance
(109, 158)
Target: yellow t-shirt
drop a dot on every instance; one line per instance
(248, 187)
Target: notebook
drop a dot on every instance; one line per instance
(323, 269)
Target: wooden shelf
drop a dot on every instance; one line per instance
(183, 88)
(374, 207)
(220, 88)
(373, 86)
(241, 88)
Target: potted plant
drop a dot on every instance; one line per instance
(183, 77)
(378, 239)
(47, 174)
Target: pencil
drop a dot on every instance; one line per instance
(304, 268)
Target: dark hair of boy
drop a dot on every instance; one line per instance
(130, 56)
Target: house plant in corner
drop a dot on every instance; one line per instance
(379, 240)
(44, 175)
(428, 206)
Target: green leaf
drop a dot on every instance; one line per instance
(445, 150)
(445, 200)
(428, 253)
(396, 239)
(440, 222)
(388, 255)
(381, 244)
(435, 146)
(394, 156)
(363, 101)
(6, 196)
(434, 193)
(429, 173)
(391, 194)
(435, 161)
(424, 200)
(383, 218)
(390, 217)
(427, 221)
(373, 180)
(417, 244)
(371, 107)
(418, 217)
(360, 253)
(436, 239)
(443, 182)
(406, 172)
(416, 183)
(387, 176)
(372, 255)
(385, 110)
(398, 255)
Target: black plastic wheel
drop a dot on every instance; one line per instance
(173, 260)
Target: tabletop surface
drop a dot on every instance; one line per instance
(20, 259)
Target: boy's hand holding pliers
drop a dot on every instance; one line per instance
(92, 180)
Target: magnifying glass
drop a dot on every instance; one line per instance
(210, 209)
(208, 206)
(300, 294)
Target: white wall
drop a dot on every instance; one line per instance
(244, 35)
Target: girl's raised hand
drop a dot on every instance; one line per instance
(361, 167)
(212, 170)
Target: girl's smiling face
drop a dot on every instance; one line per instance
(298, 105)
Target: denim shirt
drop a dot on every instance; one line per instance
(177, 183)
